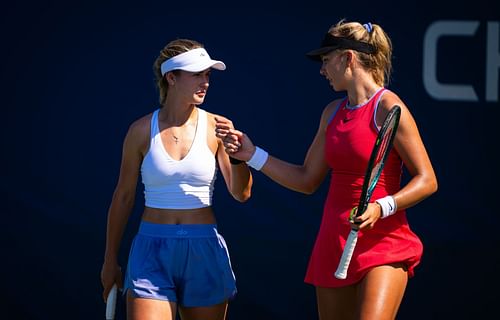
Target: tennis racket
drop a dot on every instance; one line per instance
(379, 154)
(111, 303)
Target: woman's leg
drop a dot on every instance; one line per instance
(149, 309)
(215, 312)
(381, 291)
(336, 303)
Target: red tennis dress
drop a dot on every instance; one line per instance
(350, 137)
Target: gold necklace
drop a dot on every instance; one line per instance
(176, 139)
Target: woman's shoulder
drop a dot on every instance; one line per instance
(335, 104)
(389, 99)
(139, 130)
(211, 118)
(209, 114)
(139, 124)
(331, 108)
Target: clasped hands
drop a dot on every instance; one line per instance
(236, 143)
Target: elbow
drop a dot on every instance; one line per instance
(433, 186)
(241, 192)
(243, 196)
(430, 186)
(309, 186)
(309, 189)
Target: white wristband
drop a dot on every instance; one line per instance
(258, 159)
(388, 206)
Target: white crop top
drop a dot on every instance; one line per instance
(179, 184)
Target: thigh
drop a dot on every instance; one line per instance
(215, 312)
(336, 303)
(381, 291)
(149, 309)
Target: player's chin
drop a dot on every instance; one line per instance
(335, 87)
(199, 98)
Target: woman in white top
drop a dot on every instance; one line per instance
(177, 261)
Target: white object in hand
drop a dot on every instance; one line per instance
(111, 303)
(345, 260)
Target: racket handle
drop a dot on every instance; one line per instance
(111, 303)
(350, 244)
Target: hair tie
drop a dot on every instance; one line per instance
(368, 26)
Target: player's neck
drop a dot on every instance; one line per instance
(177, 116)
(362, 93)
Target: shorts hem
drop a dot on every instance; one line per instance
(208, 303)
(152, 297)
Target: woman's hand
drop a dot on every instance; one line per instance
(111, 273)
(368, 219)
(237, 144)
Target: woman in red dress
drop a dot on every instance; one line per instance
(356, 58)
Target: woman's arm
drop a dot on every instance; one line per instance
(238, 177)
(411, 149)
(121, 205)
(305, 178)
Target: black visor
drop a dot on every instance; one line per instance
(331, 43)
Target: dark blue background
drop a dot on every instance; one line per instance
(74, 75)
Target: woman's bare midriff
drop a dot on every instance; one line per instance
(179, 216)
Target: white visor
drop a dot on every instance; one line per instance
(195, 60)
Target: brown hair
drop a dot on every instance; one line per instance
(379, 63)
(172, 49)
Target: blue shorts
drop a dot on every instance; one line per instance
(187, 264)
